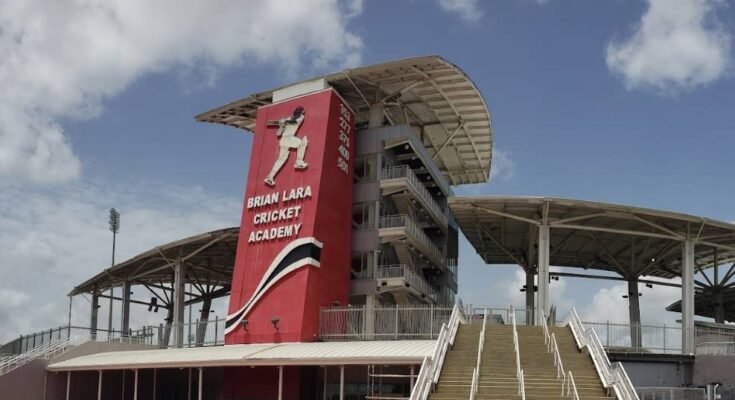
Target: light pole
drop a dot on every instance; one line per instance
(114, 228)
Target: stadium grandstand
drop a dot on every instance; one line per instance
(354, 296)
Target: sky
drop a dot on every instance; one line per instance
(624, 101)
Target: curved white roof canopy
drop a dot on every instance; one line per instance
(428, 92)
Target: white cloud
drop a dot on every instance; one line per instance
(558, 295)
(676, 46)
(52, 239)
(502, 169)
(467, 10)
(63, 59)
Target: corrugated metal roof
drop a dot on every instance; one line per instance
(429, 92)
(210, 253)
(319, 353)
(632, 241)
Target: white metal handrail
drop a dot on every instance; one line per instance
(553, 348)
(480, 345)
(475, 384)
(519, 371)
(431, 368)
(412, 229)
(569, 388)
(405, 172)
(612, 375)
(46, 351)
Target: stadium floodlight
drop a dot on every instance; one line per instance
(114, 228)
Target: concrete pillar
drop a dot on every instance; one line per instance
(125, 314)
(94, 313)
(376, 115)
(179, 302)
(634, 313)
(530, 294)
(203, 321)
(543, 272)
(687, 297)
(369, 324)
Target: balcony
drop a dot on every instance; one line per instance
(402, 277)
(395, 227)
(402, 178)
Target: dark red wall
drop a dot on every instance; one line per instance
(245, 383)
(325, 216)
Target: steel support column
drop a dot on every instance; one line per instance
(324, 395)
(543, 273)
(634, 313)
(154, 383)
(125, 317)
(188, 386)
(94, 314)
(179, 302)
(280, 383)
(99, 386)
(341, 382)
(203, 321)
(717, 288)
(687, 297)
(135, 386)
(200, 388)
(68, 384)
(530, 294)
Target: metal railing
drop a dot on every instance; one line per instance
(665, 339)
(476, 372)
(569, 388)
(405, 172)
(716, 348)
(616, 336)
(412, 229)
(671, 393)
(382, 323)
(25, 343)
(409, 276)
(516, 348)
(612, 375)
(47, 351)
(431, 367)
(196, 333)
(502, 314)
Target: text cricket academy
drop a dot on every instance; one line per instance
(287, 212)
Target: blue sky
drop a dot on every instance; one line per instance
(616, 101)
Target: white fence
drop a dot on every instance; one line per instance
(382, 323)
(666, 393)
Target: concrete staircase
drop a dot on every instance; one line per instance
(541, 373)
(456, 375)
(497, 377)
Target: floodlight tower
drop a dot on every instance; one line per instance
(114, 228)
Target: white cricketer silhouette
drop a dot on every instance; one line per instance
(287, 130)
